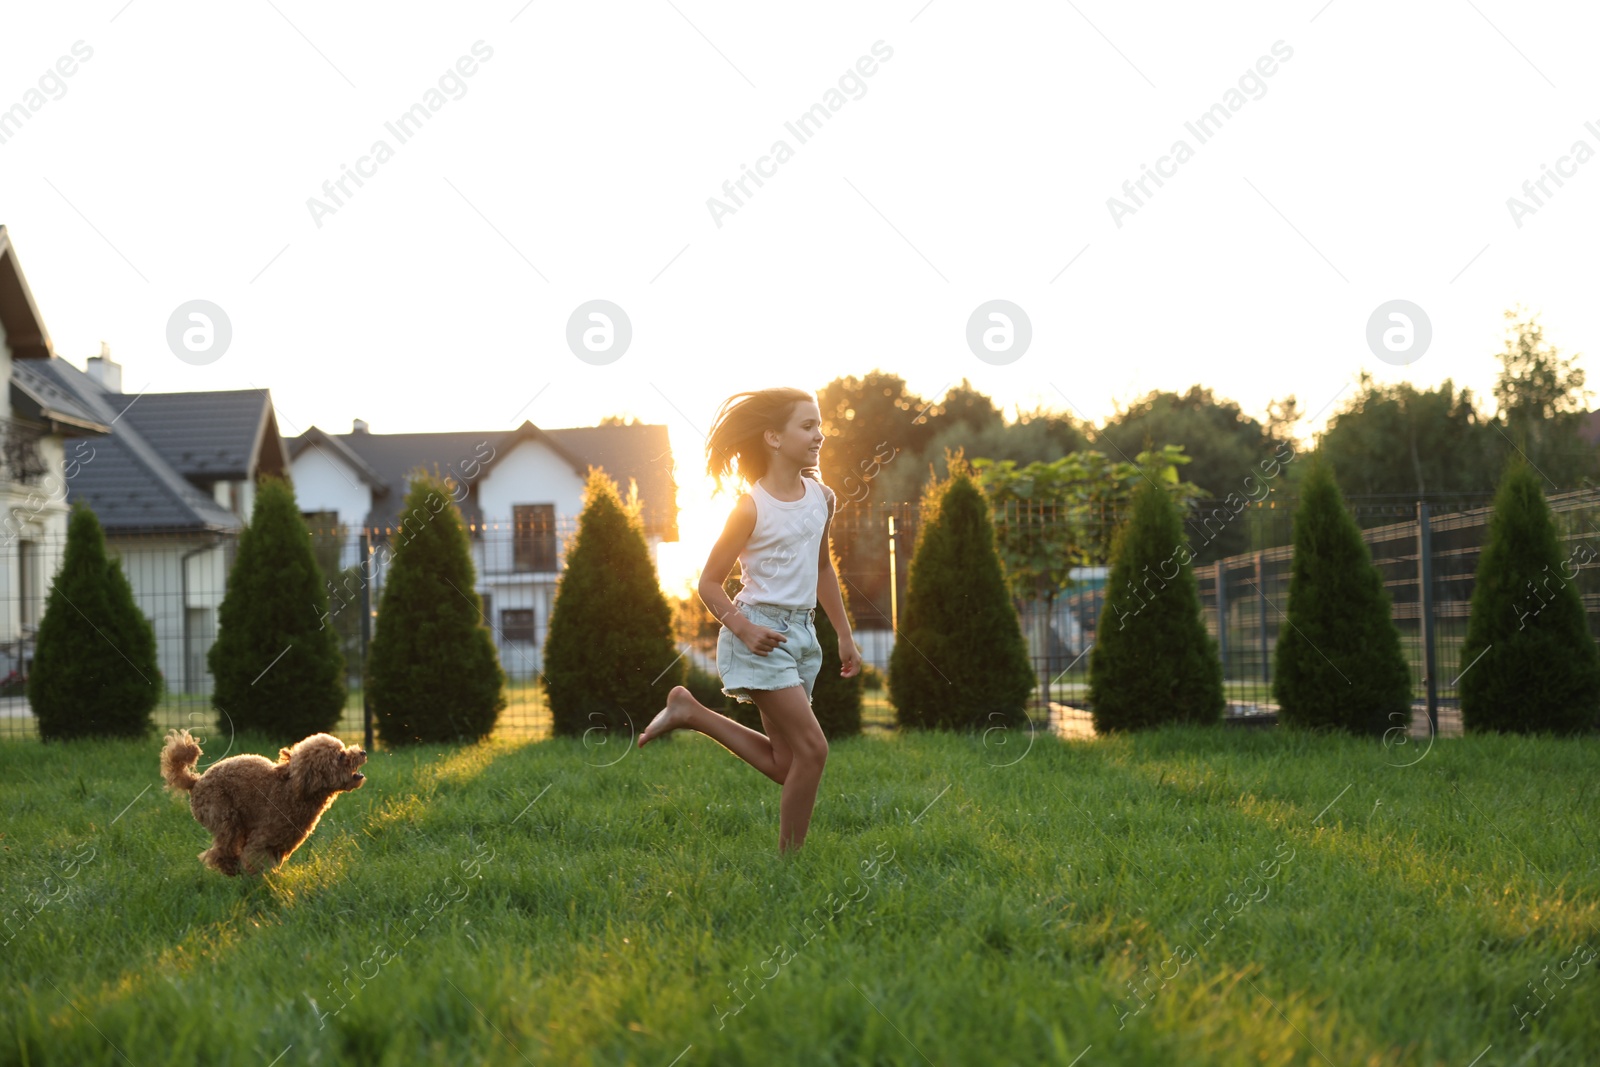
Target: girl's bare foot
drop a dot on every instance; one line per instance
(678, 714)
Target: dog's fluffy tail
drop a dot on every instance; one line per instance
(178, 758)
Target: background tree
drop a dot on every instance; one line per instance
(1225, 445)
(1411, 444)
(95, 672)
(276, 663)
(609, 658)
(1542, 401)
(1153, 661)
(959, 660)
(432, 671)
(1529, 662)
(870, 423)
(1338, 661)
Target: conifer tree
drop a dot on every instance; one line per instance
(276, 663)
(959, 660)
(432, 671)
(609, 658)
(1338, 662)
(1153, 661)
(1529, 662)
(95, 671)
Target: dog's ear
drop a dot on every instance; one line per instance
(284, 754)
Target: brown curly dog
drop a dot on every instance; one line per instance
(258, 811)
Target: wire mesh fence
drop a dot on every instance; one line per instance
(1428, 559)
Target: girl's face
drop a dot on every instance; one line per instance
(801, 440)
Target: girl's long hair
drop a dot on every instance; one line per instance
(736, 432)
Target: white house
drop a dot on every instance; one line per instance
(35, 422)
(172, 484)
(519, 491)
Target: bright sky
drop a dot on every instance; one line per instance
(570, 155)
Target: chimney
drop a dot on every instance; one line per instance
(358, 426)
(105, 373)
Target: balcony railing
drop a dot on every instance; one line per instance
(20, 457)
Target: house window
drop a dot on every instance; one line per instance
(533, 546)
(516, 624)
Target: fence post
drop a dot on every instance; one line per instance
(894, 601)
(366, 635)
(1425, 608)
(1261, 589)
(1222, 615)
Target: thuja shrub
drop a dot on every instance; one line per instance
(1153, 662)
(276, 663)
(959, 659)
(95, 671)
(1529, 662)
(1338, 662)
(609, 659)
(433, 674)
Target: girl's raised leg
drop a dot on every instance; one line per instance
(684, 712)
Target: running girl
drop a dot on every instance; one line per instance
(767, 650)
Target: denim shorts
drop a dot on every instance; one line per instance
(795, 661)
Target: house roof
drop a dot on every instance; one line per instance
(126, 479)
(320, 437)
(228, 435)
(19, 313)
(1589, 427)
(35, 394)
(640, 452)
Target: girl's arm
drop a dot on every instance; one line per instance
(741, 524)
(757, 638)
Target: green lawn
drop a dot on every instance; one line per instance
(1285, 899)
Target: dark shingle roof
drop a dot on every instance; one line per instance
(36, 394)
(639, 452)
(126, 479)
(204, 436)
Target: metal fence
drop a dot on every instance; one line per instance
(179, 581)
(1426, 554)
(1428, 559)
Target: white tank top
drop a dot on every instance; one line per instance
(778, 564)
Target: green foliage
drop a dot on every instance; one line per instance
(835, 700)
(882, 441)
(1053, 516)
(609, 658)
(1153, 662)
(1338, 662)
(95, 672)
(432, 671)
(1224, 443)
(959, 660)
(871, 677)
(276, 662)
(1542, 401)
(1423, 443)
(1529, 661)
